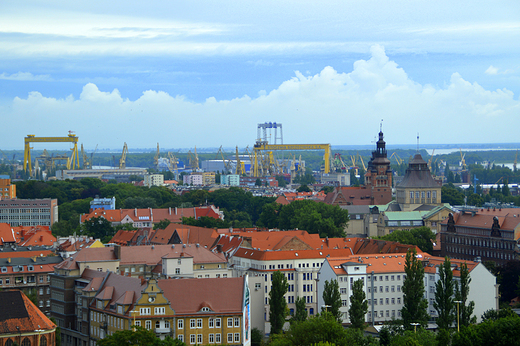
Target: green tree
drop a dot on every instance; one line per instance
(258, 182)
(358, 305)
(137, 336)
(99, 228)
(461, 295)
(423, 237)
(444, 296)
(414, 304)
(256, 337)
(303, 188)
(281, 181)
(277, 303)
(301, 312)
(162, 224)
(332, 298)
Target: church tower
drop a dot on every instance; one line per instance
(378, 178)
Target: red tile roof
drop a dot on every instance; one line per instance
(19, 315)
(186, 296)
(6, 234)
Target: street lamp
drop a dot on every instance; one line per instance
(415, 324)
(133, 312)
(39, 332)
(326, 307)
(458, 314)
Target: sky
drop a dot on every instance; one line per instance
(206, 73)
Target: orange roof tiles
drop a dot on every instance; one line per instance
(19, 315)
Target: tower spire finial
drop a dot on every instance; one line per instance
(417, 142)
(381, 126)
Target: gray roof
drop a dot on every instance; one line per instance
(418, 175)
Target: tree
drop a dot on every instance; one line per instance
(358, 305)
(277, 303)
(303, 188)
(258, 182)
(162, 224)
(423, 237)
(301, 312)
(461, 294)
(332, 298)
(137, 336)
(444, 296)
(414, 304)
(281, 181)
(98, 227)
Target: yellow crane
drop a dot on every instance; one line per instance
(430, 160)
(172, 165)
(227, 165)
(396, 157)
(262, 146)
(240, 169)
(122, 160)
(71, 138)
(462, 160)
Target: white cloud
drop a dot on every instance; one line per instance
(328, 107)
(491, 70)
(25, 76)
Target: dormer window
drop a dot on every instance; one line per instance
(205, 309)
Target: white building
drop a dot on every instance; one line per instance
(153, 180)
(383, 277)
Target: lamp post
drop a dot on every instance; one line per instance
(133, 312)
(415, 324)
(326, 307)
(39, 333)
(458, 314)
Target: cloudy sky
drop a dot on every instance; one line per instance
(206, 73)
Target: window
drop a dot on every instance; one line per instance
(344, 302)
(199, 322)
(217, 322)
(199, 339)
(157, 324)
(145, 311)
(237, 337)
(180, 337)
(159, 311)
(137, 323)
(192, 339)
(230, 338)
(343, 290)
(177, 271)
(211, 338)
(148, 324)
(230, 324)
(180, 324)
(211, 323)
(192, 323)
(218, 338)
(237, 322)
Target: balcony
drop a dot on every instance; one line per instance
(162, 330)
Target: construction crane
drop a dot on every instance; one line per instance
(240, 169)
(86, 163)
(462, 160)
(262, 146)
(193, 159)
(396, 157)
(71, 138)
(156, 157)
(227, 165)
(362, 162)
(430, 160)
(514, 163)
(172, 165)
(122, 160)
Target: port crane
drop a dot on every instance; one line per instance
(71, 138)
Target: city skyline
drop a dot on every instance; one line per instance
(206, 76)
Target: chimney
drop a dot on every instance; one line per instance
(169, 210)
(175, 210)
(117, 251)
(9, 260)
(135, 211)
(219, 248)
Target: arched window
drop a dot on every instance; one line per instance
(26, 342)
(43, 340)
(9, 342)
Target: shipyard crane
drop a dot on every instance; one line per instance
(430, 160)
(227, 165)
(71, 138)
(122, 160)
(462, 160)
(172, 165)
(156, 157)
(240, 169)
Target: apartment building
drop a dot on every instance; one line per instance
(7, 189)
(383, 277)
(29, 212)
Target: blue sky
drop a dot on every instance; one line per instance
(205, 74)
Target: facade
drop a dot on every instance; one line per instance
(153, 180)
(193, 179)
(341, 179)
(29, 212)
(7, 190)
(383, 277)
(484, 234)
(363, 220)
(264, 181)
(418, 186)
(22, 323)
(230, 179)
(29, 274)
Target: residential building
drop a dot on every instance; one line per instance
(147, 217)
(29, 274)
(103, 203)
(7, 189)
(264, 181)
(230, 179)
(483, 234)
(153, 180)
(29, 212)
(22, 323)
(383, 277)
(193, 179)
(67, 246)
(26, 235)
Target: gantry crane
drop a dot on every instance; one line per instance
(71, 138)
(262, 146)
